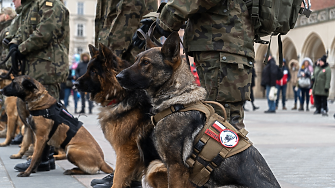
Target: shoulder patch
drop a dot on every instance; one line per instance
(33, 19)
(49, 4)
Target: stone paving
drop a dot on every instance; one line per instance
(298, 146)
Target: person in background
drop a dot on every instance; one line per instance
(294, 68)
(305, 72)
(195, 74)
(81, 70)
(269, 77)
(252, 98)
(321, 78)
(282, 85)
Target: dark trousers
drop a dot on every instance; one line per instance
(304, 94)
(90, 103)
(283, 94)
(252, 98)
(320, 102)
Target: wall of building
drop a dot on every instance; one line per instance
(79, 43)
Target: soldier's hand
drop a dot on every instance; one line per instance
(13, 46)
(146, 23)
(161, 31)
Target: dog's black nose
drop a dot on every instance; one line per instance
(76, 84)
(120, 76)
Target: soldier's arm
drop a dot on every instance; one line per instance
(12, 37)
(176, 12)
(50, 20)
(129, 14)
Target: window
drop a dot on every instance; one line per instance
(79, 50)
(80, 8)
(80, 30)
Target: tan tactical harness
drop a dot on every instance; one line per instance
(208, 153)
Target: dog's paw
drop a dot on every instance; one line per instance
(16, 156)
(67, 172)
(23, 174)
(4, 145)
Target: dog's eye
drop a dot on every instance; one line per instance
(146, 62)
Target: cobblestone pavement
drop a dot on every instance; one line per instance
(298, 146)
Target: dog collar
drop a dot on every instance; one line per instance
(114, 101)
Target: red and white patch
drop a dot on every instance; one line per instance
(218, 126)
(228, 138)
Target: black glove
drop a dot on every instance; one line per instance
(12, 46)
(18, 54)
(161, 31)
(146, 23)
(326, 90)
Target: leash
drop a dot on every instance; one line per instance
(148, 37)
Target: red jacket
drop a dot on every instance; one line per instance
(286, 77)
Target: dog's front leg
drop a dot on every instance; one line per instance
(11, 128)
(127, 161)
(40, 142)
(178, 176)
(27, 140)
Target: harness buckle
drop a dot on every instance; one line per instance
(46, 113)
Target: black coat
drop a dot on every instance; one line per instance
(81, 69)
(269, 74)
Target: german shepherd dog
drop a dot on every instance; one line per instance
(168, 81)
(124, 115)
(82, 150)
(14, 122)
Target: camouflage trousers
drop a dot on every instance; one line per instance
(53, 90)
(226, 83)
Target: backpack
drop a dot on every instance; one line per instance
(275, 17)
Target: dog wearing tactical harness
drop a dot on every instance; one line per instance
(168, 81)
(124, 117)
(53, 125)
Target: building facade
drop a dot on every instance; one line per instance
(312, 37)
(82, 16)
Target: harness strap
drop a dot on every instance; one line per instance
(59, 115)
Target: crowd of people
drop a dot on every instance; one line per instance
(76, 70)
(309, 81)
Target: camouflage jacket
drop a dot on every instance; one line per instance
(4, 32)
(118, 27)
(42, 32)
(212, 25)
(105, 14)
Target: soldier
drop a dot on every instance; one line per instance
(219, 35)
(115, 24)
(6, 16)
(40, 34)
(117, 21)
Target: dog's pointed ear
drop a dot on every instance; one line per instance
(93, 50)
(28, 85)
(171, 47)
(104, 51)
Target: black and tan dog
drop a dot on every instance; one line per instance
(168, 81)
(124, 115)
(82, 150)
(14, 122)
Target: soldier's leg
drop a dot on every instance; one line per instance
(226, 83)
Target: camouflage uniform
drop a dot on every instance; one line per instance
(4, 51)
(42, 32)
(117, 22)
(219, 35)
